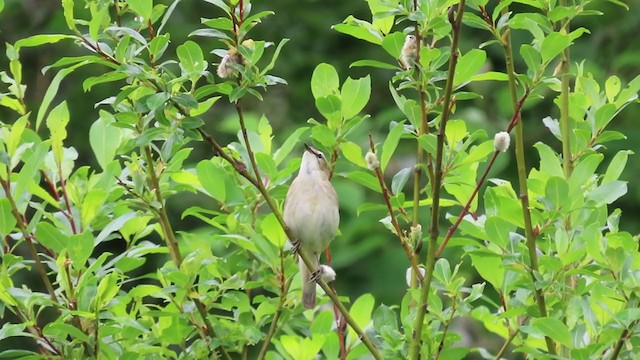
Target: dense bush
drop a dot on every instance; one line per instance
(164, 238)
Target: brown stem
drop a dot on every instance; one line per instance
(394, 221)
(29, 240)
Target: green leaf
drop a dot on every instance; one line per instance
(608, 193)
(531, 57)
(272, 230)
(455, 132)
(353, 153)
(7, 220)
(37, 40)
(57, 123)
(355, 95)
(429, 143)
(557, 191)
(400, 179)
(52, 90)
(80, 248)
(91, 205)
(211, 176)
(549, 162)
(324, 136)
(497, 230)
(374, 64)
(553, 44)
(366, 179)
(67, 6)
(11, 330)
(553, 328)
(616, 166)
(390, 144)
(288, 145)
(143, 8)
(107, 289)
(604, 115)
(105, 138)
(330, 107)
(469, 65)
(612, 88)
(324, 81)
(361, 312)
(359, 32)
(393, 43)
(191, 57)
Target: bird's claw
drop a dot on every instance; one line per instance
(315, 277)
(295, 247)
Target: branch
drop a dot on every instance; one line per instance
(414, 347)
(394, 221)
(522, 179)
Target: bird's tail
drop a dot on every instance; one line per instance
(308, 287)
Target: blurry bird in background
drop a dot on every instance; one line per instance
(311, 213)
(409, 52)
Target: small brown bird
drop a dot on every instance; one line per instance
(409, 53)
(311, 212)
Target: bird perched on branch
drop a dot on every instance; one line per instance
(311, 213)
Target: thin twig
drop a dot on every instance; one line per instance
(394, 221)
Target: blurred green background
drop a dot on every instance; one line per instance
(366, 257)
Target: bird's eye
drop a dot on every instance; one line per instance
(319, 155)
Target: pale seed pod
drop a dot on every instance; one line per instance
(409, 53)
(501, 141)
(372, 161)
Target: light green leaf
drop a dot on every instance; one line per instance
(52, 90)
(7, 220)
(105, 138)
(108, 289)
(353, 153)
(212, 176)
(191, 57)
(556, 191)
(616, 166)
(359, 32)
(608, 193)
(91, 206)
(37, 40)
(361, 311)
(390, 144)
(324, 81)
(324, 136)
(553, 328)
(374, 64)
(272, 230)
(553, 44)
(67, 6)
(330, 107)
(497, 230)
(365, 179)
(288, 145)
(80, 248)
(393, 43)
(57, 123)
(549, 162)
(469, 65)
(531, 57)
(143, 8)
(612, 88)
(265, 132)
(355, 95)
(400, 179)
(455, 132)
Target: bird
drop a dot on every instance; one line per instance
(409, 52)
(311, 213)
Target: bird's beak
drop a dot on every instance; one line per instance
(308, 148)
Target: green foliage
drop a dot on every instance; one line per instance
(546, 267)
